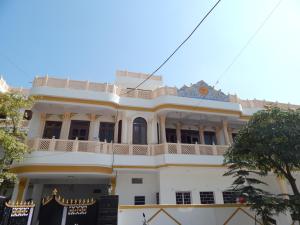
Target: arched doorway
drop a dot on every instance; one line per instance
(139, 132)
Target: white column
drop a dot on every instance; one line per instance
(283, 218)
(154, 130)
(225, 132)
(116, 128)
(162, 121)
(42, 124)
(64, 134)
(149, 131)
(36, 198)
(93, 134)
(124, 129)
(218, 136)
(178, 132)
(201, 135)
(129, 130)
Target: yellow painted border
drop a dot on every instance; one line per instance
(169, 165)
(96, 169)
(59, 169)
(166, 206)
(136, 108)
(165, 212)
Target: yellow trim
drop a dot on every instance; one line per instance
(245, 212)
(166, 206)
(136, 108)
(21, 188)
(169, 165)
(165, 212)
(58, 169)
(113, 182)
(97, 169)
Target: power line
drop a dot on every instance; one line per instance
(14, 64)
(247, 43)
(173, 53)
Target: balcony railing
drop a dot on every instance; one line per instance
(101, 87)
(39, 144)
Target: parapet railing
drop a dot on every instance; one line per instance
(101, 87)
(39, 144)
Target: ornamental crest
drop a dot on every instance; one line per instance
(204, 91)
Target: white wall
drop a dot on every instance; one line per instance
(126, 190)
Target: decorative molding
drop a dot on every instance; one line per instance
(166, 213)
(203, 91)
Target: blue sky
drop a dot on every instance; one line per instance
(91, 39)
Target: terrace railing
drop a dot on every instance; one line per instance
(39, 144)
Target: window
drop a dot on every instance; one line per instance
(120, 131)
(52, 129)
(183, 198)
(189, 136)
(171, 135)
(210, 138)
(139, 200)
(207, 197)
(229, 197)
(27, 115)
(139, 135)
(137, 180)
(79, 129)
(106, 131)
(157, 198)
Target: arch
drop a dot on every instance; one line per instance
(139, 131)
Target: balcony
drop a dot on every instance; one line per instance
(101, 87)
(59, 145)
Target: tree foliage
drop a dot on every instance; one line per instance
(269, 143)
(12, 147)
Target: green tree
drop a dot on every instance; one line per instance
(12, 146)
(268, 143)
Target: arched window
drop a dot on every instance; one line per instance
(139, 132)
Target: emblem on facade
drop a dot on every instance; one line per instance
(204, 91)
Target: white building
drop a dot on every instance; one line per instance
(159, 148)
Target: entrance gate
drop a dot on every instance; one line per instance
(55, 210)
(17, 213)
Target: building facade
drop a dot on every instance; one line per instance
(159, 148)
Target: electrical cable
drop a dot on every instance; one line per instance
(173, 53)
(247, 43)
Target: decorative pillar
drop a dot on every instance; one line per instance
(116, 128)
(129, 130)
(201, 135)
(218, 135)
(154, 130)
(178, 132)
(149, 131)
(36, 198)
(64, 134)
(113, 183)
(20, 189)
(93, 134)
(225, 131)
(162, 119)
(124, 129)
(230, 135)
(42, 124)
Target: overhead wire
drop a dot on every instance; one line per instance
(247, 43)
(173, 53)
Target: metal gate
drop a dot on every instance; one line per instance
(55, 210)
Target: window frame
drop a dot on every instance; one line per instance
(213, 195)
(183, 197)
(139, 202)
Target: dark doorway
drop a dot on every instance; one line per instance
(210, 137)
(52, 129)
(79, 129)
(106, 131)
(120, 131)
(139, 133)
(171, 135)
(189, 136)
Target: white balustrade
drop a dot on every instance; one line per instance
(76, 145)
